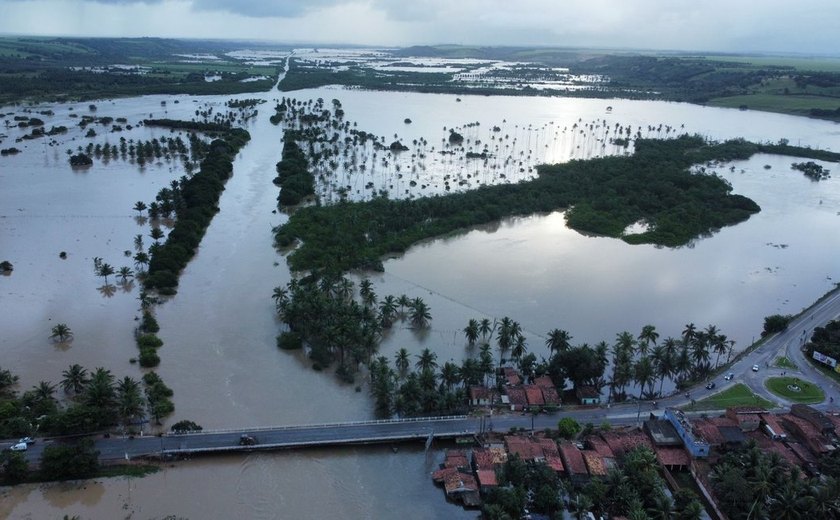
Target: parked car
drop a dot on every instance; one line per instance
(21, 446)
(755, 368)
(27, 440)
(710, 385)
(729, 376)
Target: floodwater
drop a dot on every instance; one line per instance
(220, 356)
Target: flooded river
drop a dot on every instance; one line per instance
(220, 356)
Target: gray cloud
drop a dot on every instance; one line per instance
(260, 8)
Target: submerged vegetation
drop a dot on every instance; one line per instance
(194, 203)
(605, 196)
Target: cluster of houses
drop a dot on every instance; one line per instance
(681, 444)
(514, 395)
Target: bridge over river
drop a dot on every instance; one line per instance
(316, 435)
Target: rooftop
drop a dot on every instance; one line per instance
(572, 459)
(668, 456)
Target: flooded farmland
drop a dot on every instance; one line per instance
(220, 356)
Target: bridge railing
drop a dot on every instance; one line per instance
(323, 425)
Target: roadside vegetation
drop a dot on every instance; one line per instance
(738, 395)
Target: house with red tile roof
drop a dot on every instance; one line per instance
(534, 395)
(772, 427)
(517, 398)
(551, 397)
(487, 479)
(748, 418)
(594, 463)
(674, 459)
(588, 395)
(544, 382)
(574, 463)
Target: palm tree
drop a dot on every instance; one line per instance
(75, 378)
(402, 361)
(662, 508)
(43, 391)
(646, 337)
(388, 310)
(156, 234)
(100, 389)
(450, 375)
(420, 315)
(485, 328)
(125, 273)
(643, 374)
(129, 398)
(61, 332)
(519, 348)
(485, 360)
(280, 297)
(626, 342)
(404, 302)
(663, 364)
(471, 331)
(141, 260)
(366, 292)
(138, 242)
(688, 333)
(426, 360)
(106, 270)
(140, 206)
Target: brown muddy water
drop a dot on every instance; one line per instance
(220, 356)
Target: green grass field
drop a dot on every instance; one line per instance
(809, 392)
(738, 395)
(778, 102)
(819, 64)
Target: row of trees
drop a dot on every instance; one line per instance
(194, 205)
(639, 360)
(93, 401)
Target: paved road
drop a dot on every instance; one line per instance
(285, 437)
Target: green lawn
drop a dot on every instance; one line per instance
(777, 103)
(783, 362)
(809, 392)
(738, 395)
(800, 63)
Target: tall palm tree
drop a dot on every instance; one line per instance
(485, 328)
(157, 234)
(558, 340)
(100, 392)
(450, 374)
(129, 399)
(519, 348)
(387, 310)
(420, 314)
(646, 337)
(61, 332)
(141, 260)
(138, 242)
(426, 360)
(643, 374)
(688, 333)
(662, 508)
(75, 378)
(404, 302)
(402, 362)
(106, 270)
(663, 364)
(471, 331)
(625, 341)
(125, 273)
(44, 391)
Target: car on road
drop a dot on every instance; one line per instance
(729, 376)
(27, 440)
(247, 440)
(755, 368)
(21, 446)
(710, 385)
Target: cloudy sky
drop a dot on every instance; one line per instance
(808, 26)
